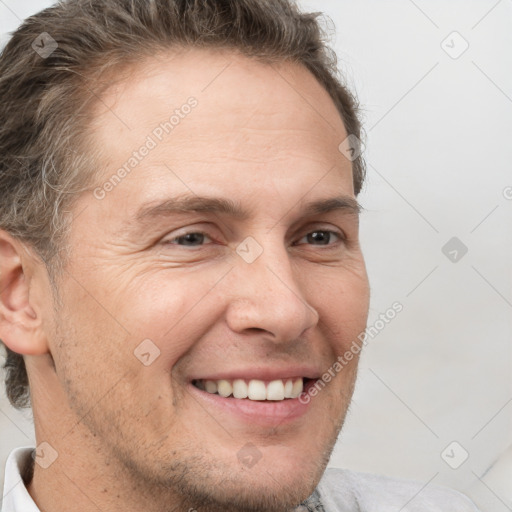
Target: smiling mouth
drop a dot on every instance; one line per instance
(254, 389)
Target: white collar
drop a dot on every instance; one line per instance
(16, 497)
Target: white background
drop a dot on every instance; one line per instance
(439, 152)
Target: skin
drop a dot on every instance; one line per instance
(132, 437)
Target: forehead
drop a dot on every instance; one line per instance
(250, 121)
(221, 78)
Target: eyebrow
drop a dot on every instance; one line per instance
(231, 208)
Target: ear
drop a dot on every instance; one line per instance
(21, 279)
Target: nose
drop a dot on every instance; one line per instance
(266, 296)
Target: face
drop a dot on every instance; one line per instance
(203, 267)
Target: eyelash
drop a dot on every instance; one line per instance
(170, 242)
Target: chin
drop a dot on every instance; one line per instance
(250, 491)
(278, 481)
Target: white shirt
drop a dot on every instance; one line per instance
(339, 490)
(16, 497)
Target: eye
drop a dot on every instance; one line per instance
(197, 238)
(191, 239)
(322, 236)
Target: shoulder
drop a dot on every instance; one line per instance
(365, 492)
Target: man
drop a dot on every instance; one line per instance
(180, 267)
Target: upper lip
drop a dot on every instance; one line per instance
(265, 374)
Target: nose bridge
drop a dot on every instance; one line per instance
(266, 294)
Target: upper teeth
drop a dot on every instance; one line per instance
(254, 389)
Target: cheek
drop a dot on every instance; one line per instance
(342, 302)
(100, 352)
(172, 311)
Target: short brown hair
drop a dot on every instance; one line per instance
(46, 96)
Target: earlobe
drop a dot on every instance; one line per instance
(20, 316)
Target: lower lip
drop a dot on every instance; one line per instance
(265, 413)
